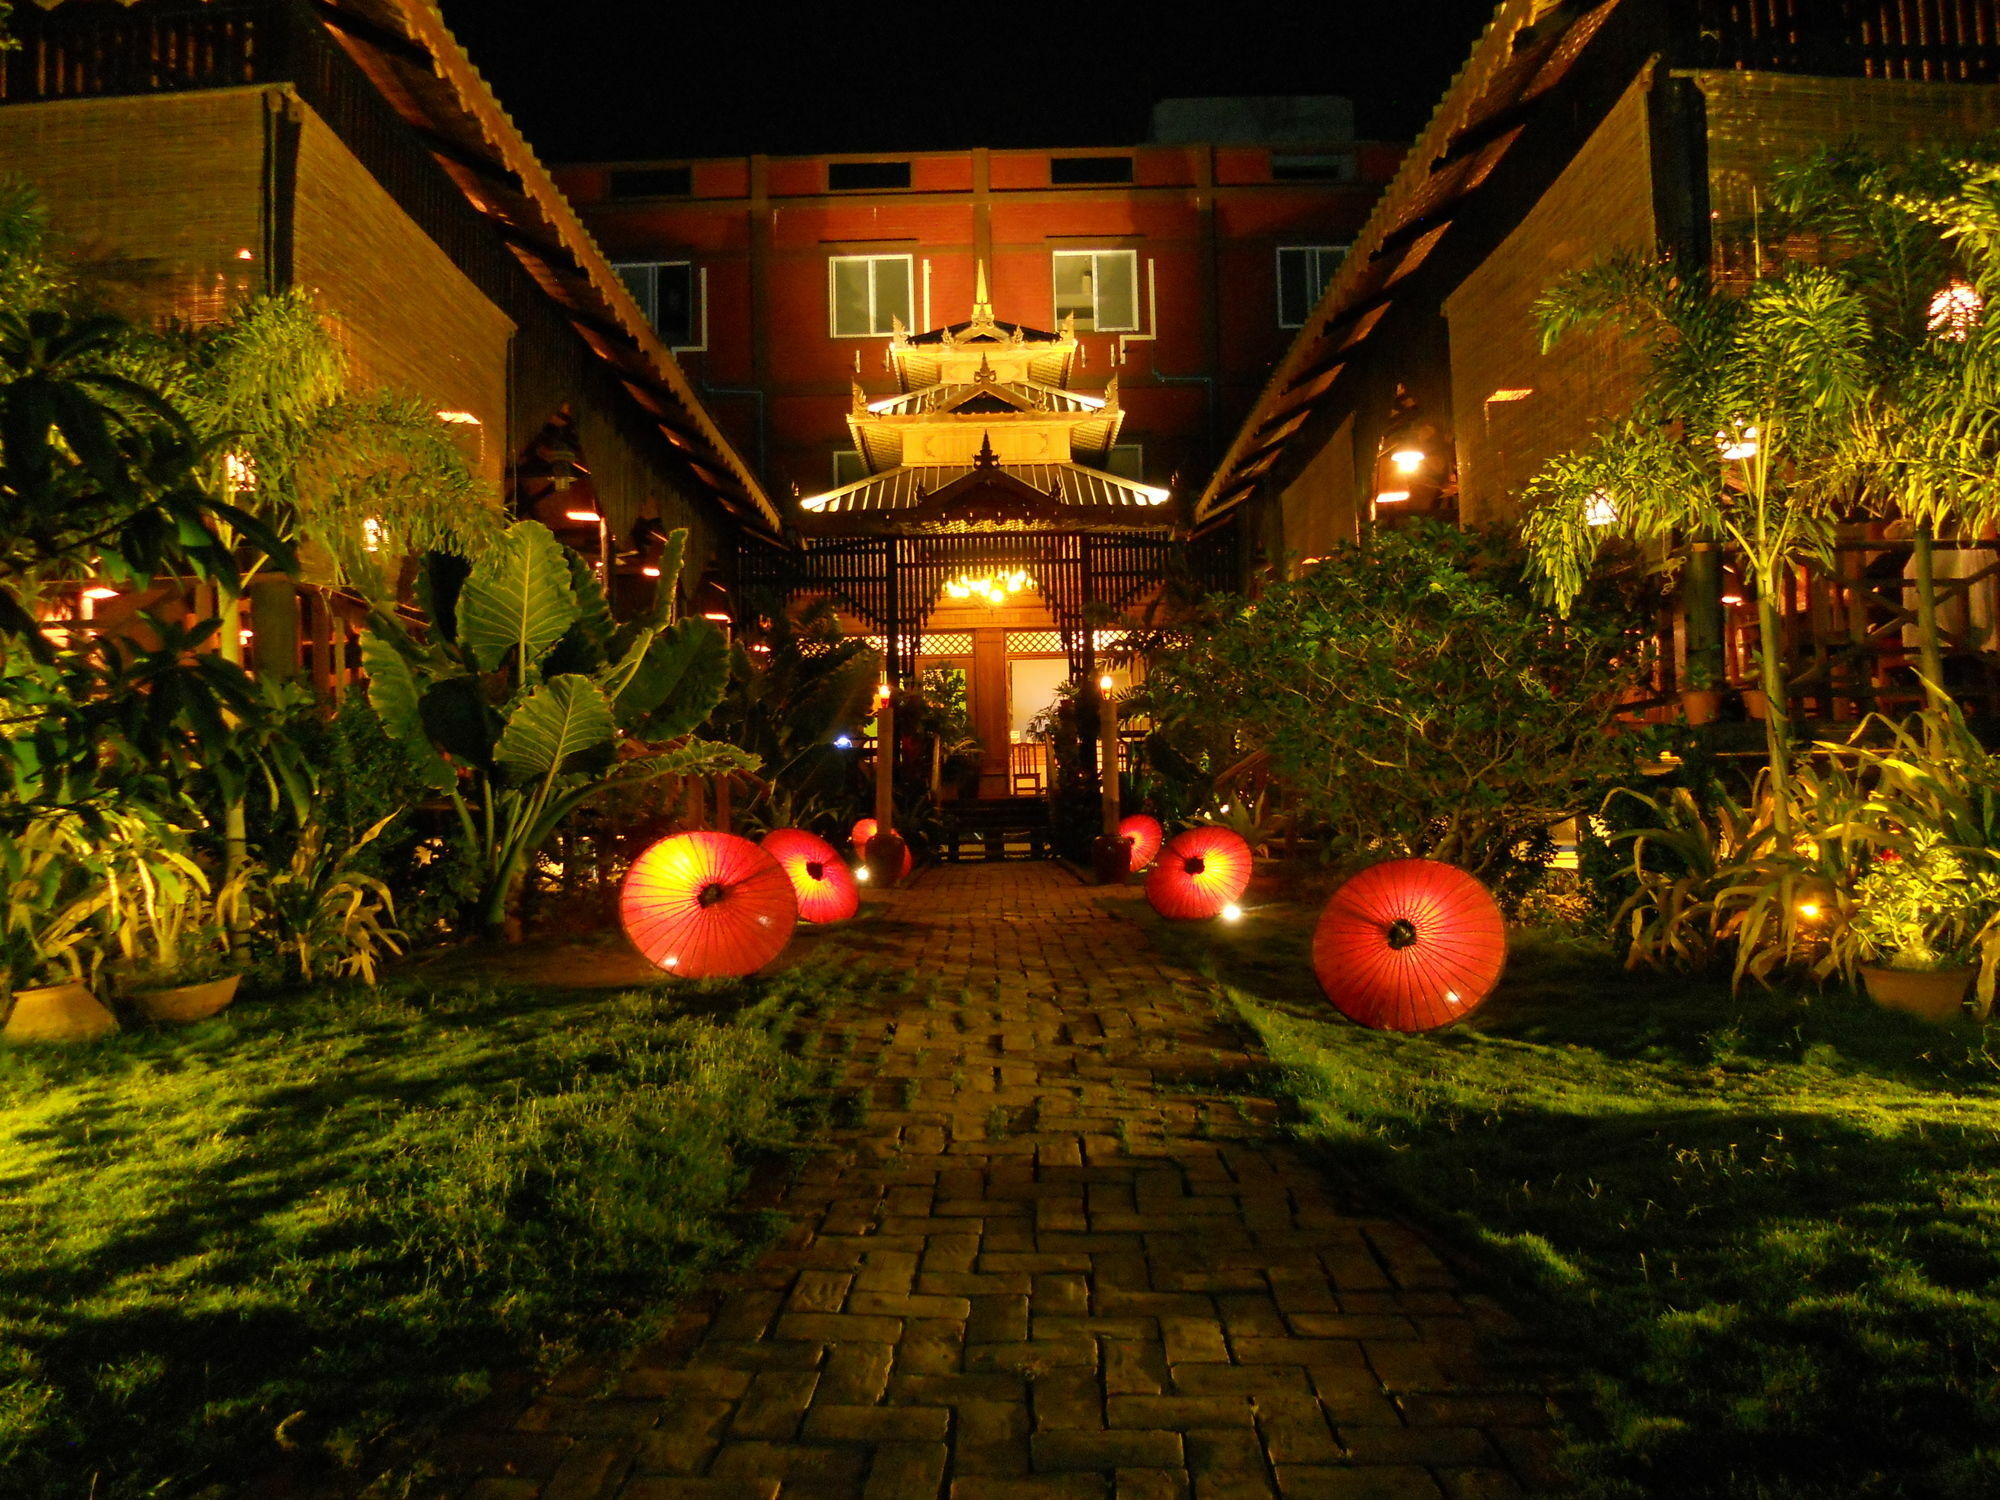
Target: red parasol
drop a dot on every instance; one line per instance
(704, 905)
(825, 886)
(1198, 873)
(1409, 945)
(864, 831)
(1146, 834)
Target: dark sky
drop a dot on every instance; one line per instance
(607, 79)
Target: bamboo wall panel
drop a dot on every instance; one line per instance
(411, 319)
(163, 193)
(1755, 119)
(1601, 204)
(1937, 41)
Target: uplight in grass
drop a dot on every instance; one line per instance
(1232, 913)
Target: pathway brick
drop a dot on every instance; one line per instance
(1058, 1254)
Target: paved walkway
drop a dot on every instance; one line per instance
(1057, 1256)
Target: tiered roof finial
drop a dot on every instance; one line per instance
(982, 304)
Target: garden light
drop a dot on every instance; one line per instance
(371, 534)
(1742, 444)
(1809, 910)
(1599, 510)
(1231, 912)
(1407, 460)
(100, 593)
(1105, 684)
(1955, 311)
(843, 742)
(1392, 497)
(649, 571)
(584, 517)
(861, 874)
(459, 418)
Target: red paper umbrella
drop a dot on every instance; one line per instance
(824, 884)
(864, 831)
(704, 905)
(1198, 873)
(1145, 833)
(1409, 945)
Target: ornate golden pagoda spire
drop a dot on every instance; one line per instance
(982, 304)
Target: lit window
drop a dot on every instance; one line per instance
(1303, 272)
(665, 292)
(869, 293)
(1100, 288)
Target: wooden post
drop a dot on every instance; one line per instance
(1107, 730)
(885, 761)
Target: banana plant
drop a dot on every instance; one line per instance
(523, 699)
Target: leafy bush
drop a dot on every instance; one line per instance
(1411, 696)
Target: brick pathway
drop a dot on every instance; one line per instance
(1057, 1256)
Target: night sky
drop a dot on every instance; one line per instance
(605, 79)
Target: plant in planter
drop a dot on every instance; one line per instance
(52, 879)
(1920, 915)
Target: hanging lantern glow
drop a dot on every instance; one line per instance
(994, 588)
(1146, 835)
(708, 905)
(820, 878)
(1409, 945)
(1199, 873)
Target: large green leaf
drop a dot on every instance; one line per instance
(678, 683)
(392, 693)
(518, 600)
(585, 647)
(562, 724)
(457, 718)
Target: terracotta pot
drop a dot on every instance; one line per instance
(1702, 705)
(1111, 858)
(1754, 703)
(187, 1002)
(57, 1013)
(888, 859)
(1933, 995)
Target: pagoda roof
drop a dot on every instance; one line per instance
(946, 496)
(924, 359)
(879, 427)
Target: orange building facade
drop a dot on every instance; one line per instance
(1186, 269)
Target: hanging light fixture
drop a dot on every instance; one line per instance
(993, 588)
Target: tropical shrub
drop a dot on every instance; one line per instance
(523, 700)
(1410, 697)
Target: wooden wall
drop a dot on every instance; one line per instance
(1322, 507)
(411, 319)
(166, 194)
(1601, 204)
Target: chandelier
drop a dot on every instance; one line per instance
(994, 588)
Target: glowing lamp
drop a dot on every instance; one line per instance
(1105, 684)
(1809, 910)
(824, 886)
(1599, 510)
(459, 418)
(1231, 912)
(708, 905)
(1392, 497)
(584, 517)
(100, 592)
(244, 254)
(861, 874)
(1409, 945)
(1407, 460)
(843, 742)
(371, 534)
(1198, 873)
(1739, 445)
(649, 571)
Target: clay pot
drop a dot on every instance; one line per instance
(187, 1002)
(1111, 858)
(888, 859)
(1702, 705)
(1755, 704)
(57, 1013)
(1936, 996)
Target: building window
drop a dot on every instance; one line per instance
(1303, 272)
(1074, 169)
(665, 292)
(652, 182)
(842, 176)
(1100, 287)
(849, 467)
(868, 292)
(1127, 461)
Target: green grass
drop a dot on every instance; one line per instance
(280, 1236)
(1768, 1226)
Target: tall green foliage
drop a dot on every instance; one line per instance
(523, 700)
(1411, 696)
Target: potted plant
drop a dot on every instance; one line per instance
(1919, 914)
(55, 890)
(190, 973)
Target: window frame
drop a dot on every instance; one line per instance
(1131, 258)
(1337, 252)
(833, 296)
(696, 285)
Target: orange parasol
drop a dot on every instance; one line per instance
(821, 879)
(704, 905)
(1146, 835)
(1409, 945)
(1198, 873)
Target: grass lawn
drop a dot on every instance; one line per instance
(1768, 1225)
(278, 1236)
